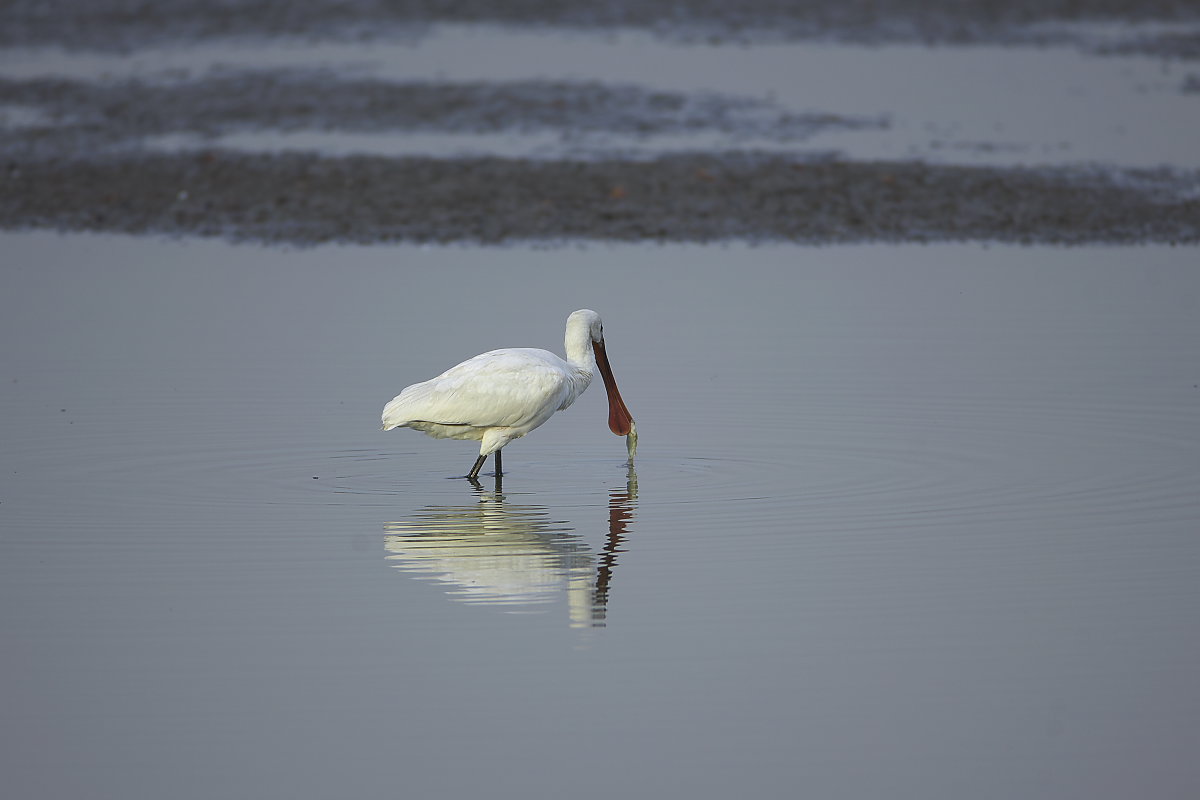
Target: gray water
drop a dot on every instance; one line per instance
(1007, 106)
(913, 521)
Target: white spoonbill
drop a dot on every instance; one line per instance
(502, 395)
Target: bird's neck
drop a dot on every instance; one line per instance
(579, 351)
(582, 361)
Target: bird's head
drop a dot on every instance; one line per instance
(587, 320)
(620, 420)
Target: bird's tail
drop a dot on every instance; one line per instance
(392, 418)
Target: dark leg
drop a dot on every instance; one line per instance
(499, 469)
(474, 473)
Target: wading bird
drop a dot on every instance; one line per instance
(502, 395)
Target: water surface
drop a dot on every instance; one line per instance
(992, 105)
(905, 521)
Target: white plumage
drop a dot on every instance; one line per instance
(502, 395)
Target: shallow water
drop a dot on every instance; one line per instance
(905, 521)
(989, 105)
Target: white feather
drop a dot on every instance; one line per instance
(500, 395)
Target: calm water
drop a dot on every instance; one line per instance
(905, 522)
(972, 105)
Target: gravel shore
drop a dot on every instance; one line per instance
(124, 24)
(82, 168)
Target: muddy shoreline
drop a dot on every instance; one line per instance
(82, 165)
(126, 24)
(306, 199)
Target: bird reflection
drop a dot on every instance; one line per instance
(513, 555)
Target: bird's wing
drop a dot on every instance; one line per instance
(501, 388)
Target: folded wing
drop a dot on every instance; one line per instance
(515, 387)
